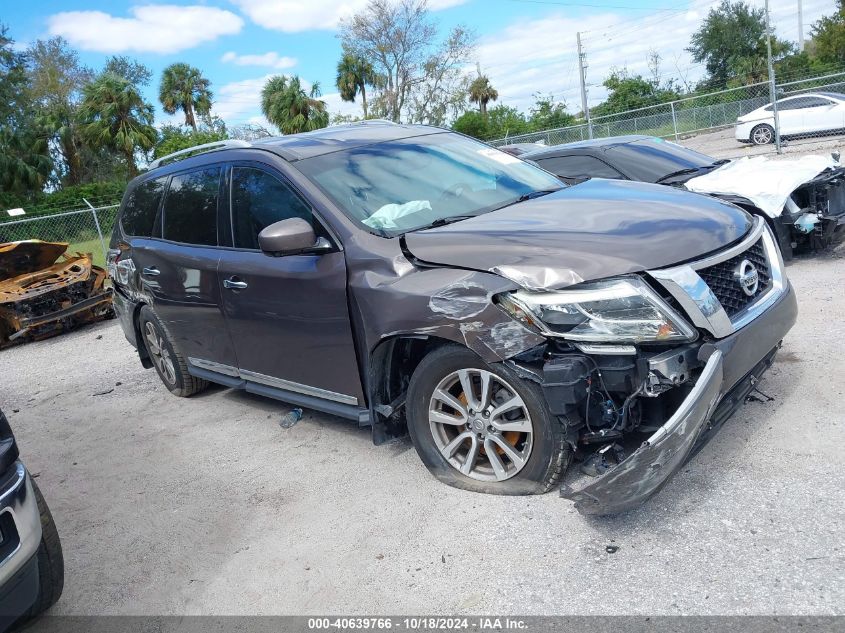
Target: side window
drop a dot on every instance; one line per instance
(579, 167)
(258, 200)
(814, 102)
(190, 207)
(139, 212)
(790, 104)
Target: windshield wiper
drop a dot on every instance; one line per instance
(443, 221)
(680, 172)
(529, 196)
(692, 170)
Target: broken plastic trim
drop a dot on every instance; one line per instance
(647, 469)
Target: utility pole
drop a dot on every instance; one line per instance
(582, 75)
(772, 90)
(800, 28)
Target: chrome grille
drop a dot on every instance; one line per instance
(720, 278)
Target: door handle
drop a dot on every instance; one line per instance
(233, 283)
(151, 271)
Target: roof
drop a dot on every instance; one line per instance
(340, 137)
(591, 143)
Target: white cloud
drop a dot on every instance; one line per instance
(270, 60)
(158, 28)
(519, 64)
(238, 101)
(293, 16)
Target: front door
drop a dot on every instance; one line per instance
(288, 316)
(178, 267)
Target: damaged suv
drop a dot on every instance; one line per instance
(410, 277)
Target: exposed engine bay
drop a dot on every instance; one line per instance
(42, 295)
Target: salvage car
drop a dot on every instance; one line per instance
(798, 115)
(408, 277)
(802, 199)
(41, 295)
(31, 561)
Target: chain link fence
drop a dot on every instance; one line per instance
(805, 115)
(86, 230)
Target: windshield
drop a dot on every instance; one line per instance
(399, 186)
(649, 160)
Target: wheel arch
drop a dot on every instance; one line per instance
(143, 354)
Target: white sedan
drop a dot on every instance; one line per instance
(801, 114)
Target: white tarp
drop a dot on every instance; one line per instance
(767, 183)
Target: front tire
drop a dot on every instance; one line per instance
(168, 361)
(762, 134)
(51, 563)
(480, 427)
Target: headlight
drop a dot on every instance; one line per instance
(623, 310)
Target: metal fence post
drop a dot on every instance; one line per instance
(99, 230)
(674, 120)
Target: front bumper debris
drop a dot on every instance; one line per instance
(732, 366)
(40, 297)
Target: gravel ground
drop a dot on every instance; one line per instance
(205, 505)
(722, 144)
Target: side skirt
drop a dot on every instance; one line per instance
(350, 412)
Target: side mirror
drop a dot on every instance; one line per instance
(290, 237)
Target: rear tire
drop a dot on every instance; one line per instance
(540, 453)
(168, 361)
(762, 134)
(51, 564)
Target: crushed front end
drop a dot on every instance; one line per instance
(40, 296)
(816, 211)
(636, 409)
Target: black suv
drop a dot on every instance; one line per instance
(410, 276)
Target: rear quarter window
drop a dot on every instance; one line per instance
(139, 211)
(190, 207)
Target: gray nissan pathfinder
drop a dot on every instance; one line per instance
(407, 277)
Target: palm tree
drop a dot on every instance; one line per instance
(482, 92)
(115, 116)
(287, 106)
(184, 88)
(354, 74)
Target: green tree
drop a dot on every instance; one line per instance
(628, 92)
(115, 116)
(482, 92)
(731, 40)
(547, 114)
(354, 74)
(287, 106)
(472, 123)
(184, 88)
(130, 69)
(828, 33)
(24, 159)
(504, 121)
(172, 138)
(56, 79)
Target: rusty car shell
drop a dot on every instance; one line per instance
(44, 291)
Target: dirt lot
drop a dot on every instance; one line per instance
(722, 144)
(206, 505)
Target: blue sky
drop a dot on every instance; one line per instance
(525, 46)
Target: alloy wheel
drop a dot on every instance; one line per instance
(762, 135)
(480, 425)
(159, 353)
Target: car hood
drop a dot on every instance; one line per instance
(21, 258)
(589, 231)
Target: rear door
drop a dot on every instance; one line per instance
(821, 114)
(288, 316)
(178, 267)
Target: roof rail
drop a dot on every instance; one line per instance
(199, 149)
